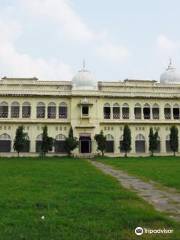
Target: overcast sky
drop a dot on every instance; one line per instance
(118, 39)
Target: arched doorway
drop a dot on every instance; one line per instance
(109, 143)
(60, 144)
(26, 147)
(39, 143)
(5, 143)
(140, 143)
(85, 144)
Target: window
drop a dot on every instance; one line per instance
(40, 110)
(85, 111)
(107, 111)
(39, 143)
(137, 111)
(125, 111)
(26, 110)
(26, 147)
(109, 148)
(155, 111)
(176, 111)
(63, 110)
(52, 110)
(146, 111)
(60, 144)
(116, 111)
(3, 110)
(167, 111)
(140, 143)
(15, 109)
(5, 143)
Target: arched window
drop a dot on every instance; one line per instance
(51, 110)
(158, 145)
(146, 111)
(167, 111)
(26, 147)
(137, 111)
(3, 110)
(116, 111)
(26, 110)
(107, 111)
(168, 147)
(5, 143)
(125, 111)
(109, 144)
(60, 144)
(15, 109)
(140, 143)
(176, 111)
(155, 111)
(40, 110)
(63, 110)
(39, 143)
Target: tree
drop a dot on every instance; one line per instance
(20, 140)
(126, 142)
(174, 142)
(47, 142)
(71, 142)
(101, 142)
(153, 141)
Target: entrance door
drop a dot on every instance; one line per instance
(85, 144)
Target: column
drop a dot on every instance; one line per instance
(151, 115)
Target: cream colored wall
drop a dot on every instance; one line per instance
(94, 124)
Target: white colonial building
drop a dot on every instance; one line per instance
(89, 106)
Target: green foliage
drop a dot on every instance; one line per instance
(126, 142)
(78, 202)
(47, 142)
(20, 140)
(153, 141)
(164, 170)
(174, 142)
(101, 142)
(71, 142)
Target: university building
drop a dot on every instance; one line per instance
(89, 107)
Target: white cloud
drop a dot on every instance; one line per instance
(115, 53)
(14, 63)
(61, 12)
(166, 44)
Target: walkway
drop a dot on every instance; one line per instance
(165, 200)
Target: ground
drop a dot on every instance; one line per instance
(77, 202)
(163, 170)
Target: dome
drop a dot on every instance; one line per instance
(84, 79)
(170, 76)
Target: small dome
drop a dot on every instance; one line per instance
(170, 76)
(84, 79)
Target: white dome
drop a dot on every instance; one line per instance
(84, 79)
(170, 76)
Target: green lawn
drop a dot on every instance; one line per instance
(164, 170)
(77, 201)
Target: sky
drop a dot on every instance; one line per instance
(118, 39)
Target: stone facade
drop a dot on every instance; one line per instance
(142, 104)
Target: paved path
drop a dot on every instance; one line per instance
(165, 200)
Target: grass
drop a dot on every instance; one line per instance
(164, 170)
(77, 201)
